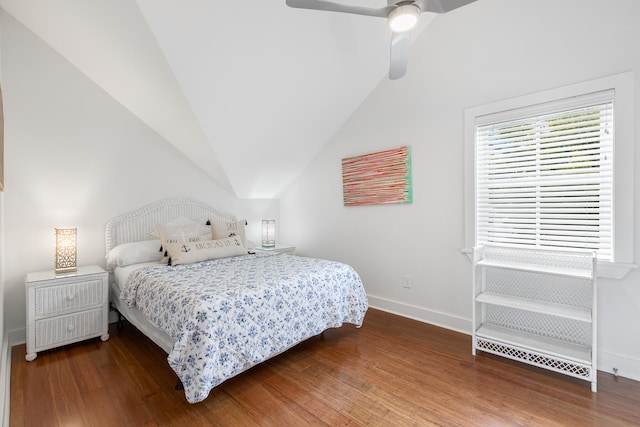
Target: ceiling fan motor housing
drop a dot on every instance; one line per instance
(404, 17)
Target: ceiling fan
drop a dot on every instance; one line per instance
(402, 16)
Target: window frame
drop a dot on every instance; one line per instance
(623, 173)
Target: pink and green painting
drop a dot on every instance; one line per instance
(378, 178)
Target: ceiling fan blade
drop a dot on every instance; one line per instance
(336, 7)
(441, 6)
(400, 43)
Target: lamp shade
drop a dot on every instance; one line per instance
(66, 250)
(268, 232)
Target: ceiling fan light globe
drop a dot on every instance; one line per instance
(403, 18)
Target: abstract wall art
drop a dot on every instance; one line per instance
(378, 178)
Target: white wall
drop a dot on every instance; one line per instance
(76, 157)
(488, 51)
(4, 344)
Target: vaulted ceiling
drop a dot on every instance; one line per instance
(249, 90)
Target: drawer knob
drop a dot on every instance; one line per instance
(70, 328)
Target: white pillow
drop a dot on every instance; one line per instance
(222, 229)
(179, 234)
(190, 252)
(133, 253)
(205, 230)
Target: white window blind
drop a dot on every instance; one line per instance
(544, 175)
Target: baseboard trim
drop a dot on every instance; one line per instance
(432, 317)
(619, 364)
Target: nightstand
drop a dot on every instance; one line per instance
(66, 308)
(285, 249)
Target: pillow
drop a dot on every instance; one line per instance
(133, 253)
(220, 230)
(190, 252)
(180, 221)
(178, 234)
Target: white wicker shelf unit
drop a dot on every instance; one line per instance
(537, 306)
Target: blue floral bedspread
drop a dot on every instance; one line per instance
(230, 314)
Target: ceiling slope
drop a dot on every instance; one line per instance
(110, 42)
(250, 91)
(270, 85)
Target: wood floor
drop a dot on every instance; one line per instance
(391, 372)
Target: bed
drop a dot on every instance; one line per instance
(219, 308)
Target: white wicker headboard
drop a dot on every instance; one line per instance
(138, 225)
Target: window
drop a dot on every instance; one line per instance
(548, 172)
(546, 180)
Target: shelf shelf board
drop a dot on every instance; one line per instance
(536, 268)
(559, 349)
(560, 310)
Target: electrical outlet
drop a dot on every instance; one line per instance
(406, 281)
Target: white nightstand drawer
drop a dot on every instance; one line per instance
(66, 308)
(53, 300)
(60, 330)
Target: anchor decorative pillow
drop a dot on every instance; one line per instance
(190, 252)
